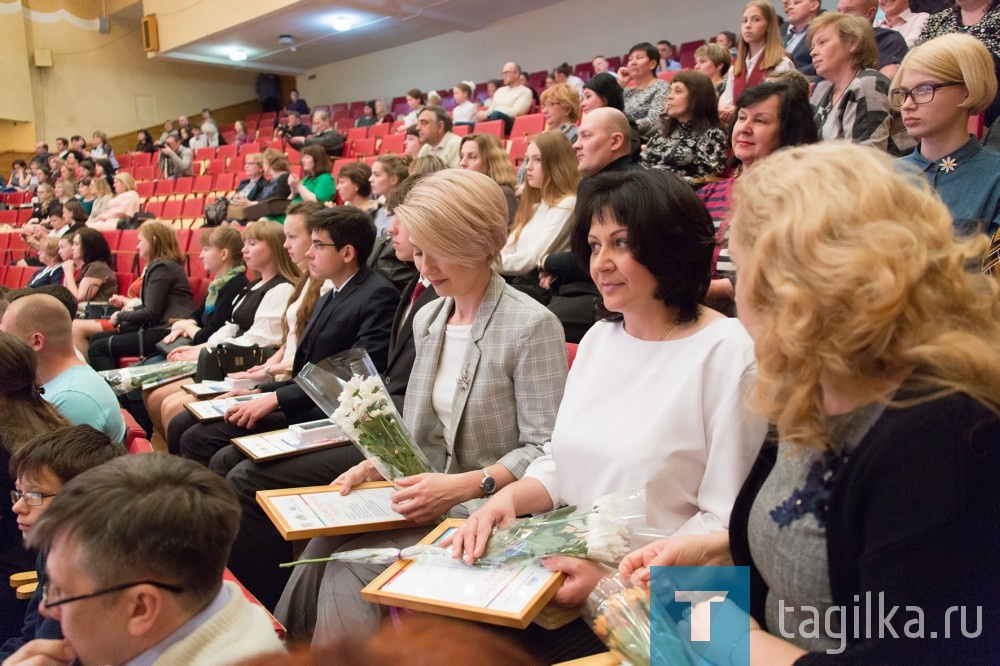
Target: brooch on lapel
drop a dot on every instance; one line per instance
(948, 164)
(463, 379)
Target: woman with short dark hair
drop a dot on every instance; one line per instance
(647, 241)
(644, 101)
(316, 183)
(767, 117)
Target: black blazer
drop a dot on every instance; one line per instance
(402, 350)
(256, 193)
(800, 55)
(214, 320)
(359, 315)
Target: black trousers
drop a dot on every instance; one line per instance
(259, 548)
(107, 347)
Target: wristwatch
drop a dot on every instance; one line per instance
(488, 484)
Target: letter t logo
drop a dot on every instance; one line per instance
(701, 614)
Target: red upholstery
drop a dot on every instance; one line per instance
(278, 628)
(528, 125)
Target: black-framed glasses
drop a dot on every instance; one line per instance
(319, 245)
(108, 590)
(920, 95)
(31, 499)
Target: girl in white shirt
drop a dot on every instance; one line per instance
(464, 111)
(541, 225)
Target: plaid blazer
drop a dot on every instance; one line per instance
(509, 389)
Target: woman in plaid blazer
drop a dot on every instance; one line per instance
(481, 401)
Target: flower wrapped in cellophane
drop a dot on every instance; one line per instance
(619, 613)
(362, 408)
(383, 555)
(123, 380)
(606, 532)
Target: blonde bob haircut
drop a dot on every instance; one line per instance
(774, 47)
(496, 163)
(276, 160)
(857, 292)
(125, 179)
(565, 96)
(458, 215)
(855, 33)
(955, 57)
(162, 239)
(273, 233)
(561, 175)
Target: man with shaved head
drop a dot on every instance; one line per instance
(72, 386)
(603, 142)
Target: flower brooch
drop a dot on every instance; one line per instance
(948, 164)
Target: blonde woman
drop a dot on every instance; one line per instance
(541, 224)
(484, 154)
(852, 102)
(561, 109)
(499, 350)
(940, 84)
(166, 294)
(101, 192)
(125, 204)
(759, 53)
(878, 357)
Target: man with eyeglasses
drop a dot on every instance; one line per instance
(40, 469)
(510, 101)
(136, 552)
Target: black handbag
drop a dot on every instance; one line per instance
(216, 212)
(135, 221)
(165, 348)
(215, 364)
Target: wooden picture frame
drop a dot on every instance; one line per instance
(375, 592)
(289, 532)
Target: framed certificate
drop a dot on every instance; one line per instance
(304, 513)
(282, 444)
(510, 596)
(207, 389)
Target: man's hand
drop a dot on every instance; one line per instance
(246, 415)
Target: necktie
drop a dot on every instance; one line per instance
(417, 291)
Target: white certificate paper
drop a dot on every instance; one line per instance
(331, 509)
(216, 409)
(281, 443)
(504, 588)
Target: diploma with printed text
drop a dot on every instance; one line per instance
(505, 595)
(214, 410)
(303, 513)
(282, 444)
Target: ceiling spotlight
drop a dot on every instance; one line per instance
(237, 56)
(286, 39)
(341, 23)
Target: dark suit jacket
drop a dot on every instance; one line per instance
(402, 351)
(359, 315)
(800, 55)
(891, 47)
(256, 194)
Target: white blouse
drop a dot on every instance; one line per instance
(546, 232)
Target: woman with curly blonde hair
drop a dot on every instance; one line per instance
(878, 360)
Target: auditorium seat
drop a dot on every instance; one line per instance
(183, 187)
(381, 129)
(142, 159)
(518, 147)
(528, 125)
(225, 183)
(228, 151)
(363, 148)
(144, 172)
(461, 130)
(494, 127)
(392, 143)
(356, 134)
(685, 54)
(163, 188)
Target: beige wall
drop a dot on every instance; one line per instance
(102, 81)
(573, 31)
(16, 103)
(184, 21)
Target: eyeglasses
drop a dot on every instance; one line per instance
(920, 95)
(31, 499)
(319, 245)
(107, 590)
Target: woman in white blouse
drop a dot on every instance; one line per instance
(541, 224)
(125, 204)
(655, 398)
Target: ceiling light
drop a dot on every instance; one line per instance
(286, 39)
(341, 23)
(237, 56)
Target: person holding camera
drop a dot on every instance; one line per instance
(293, 127)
